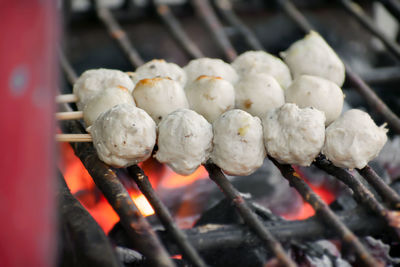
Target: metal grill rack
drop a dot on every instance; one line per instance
(137, 227)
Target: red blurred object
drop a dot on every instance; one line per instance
(28, 79)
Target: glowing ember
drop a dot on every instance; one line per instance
(143, 205)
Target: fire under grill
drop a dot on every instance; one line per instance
(375, 215)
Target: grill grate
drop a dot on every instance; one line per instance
(136, 225)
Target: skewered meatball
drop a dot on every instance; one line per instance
(257, 93)
(124, 135)
(313, 91)
(159, 97)
(353, 140)
(184, 141)
(160, 68)
(210, 96)
(105, 100)
(210, 67)
(262, 62)
(293, 135)
(313, 56)
(91, 82)
(238, 143)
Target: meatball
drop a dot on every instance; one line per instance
(313, 56)
(293, 135)
(160, 68)
(353, 140)
(262, 62)
(257, 93)
(184, 141)
(159, 97)
(320, 93)
(124, 135)
(105, 100)
(210, 96)
(238, 143)
(91, 82)
(210, 67)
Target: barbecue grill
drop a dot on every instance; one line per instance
(374, 215)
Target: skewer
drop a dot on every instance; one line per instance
(72, 115)
(67, 98)
(74, 138)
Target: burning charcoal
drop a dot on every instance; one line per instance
(262, 62)
(160, 68)
(128, 256)
(91, 82)
(380, 251)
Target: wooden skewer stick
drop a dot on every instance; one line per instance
(73, 115)
(67, 98)
(74, 138)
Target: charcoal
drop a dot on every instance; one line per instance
(380, 251)
(129, 257)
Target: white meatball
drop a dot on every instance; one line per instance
(124, 135)
(91, 82)
(210, 96)
(159, 97)
(312, 55)
(353, 140)
(105, 100)
(184, 141)
(293, 135)
(320, 93)
(160, 68)
(257, 93)
(210, 67)
(262, 62)
(238, 143)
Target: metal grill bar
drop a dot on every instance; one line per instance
(323, 210)
(384, 190)
(247, 214)
(119, 34)
(177, 31)
(373, 100)
(135, 225)
(357, 12)
(361, 193)
(225, 8)
(165, 217)
(67, 68)
(207, 14)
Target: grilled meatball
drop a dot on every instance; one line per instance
(210, 67)
(262, 62)
(313, 56)
(105, 100)
(210, 96)
(124, 135)
(160, 68)
(293, 135)
(159, 97)
(353, 140)
(257, 93)
(320, 93)
(91, 82)
(238, 143)
(184, 141)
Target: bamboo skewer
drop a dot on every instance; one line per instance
(77, 138)
(71, 115)
(67, 98)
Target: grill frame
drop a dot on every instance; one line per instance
(137, 226)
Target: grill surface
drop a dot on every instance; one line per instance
(140, 231)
